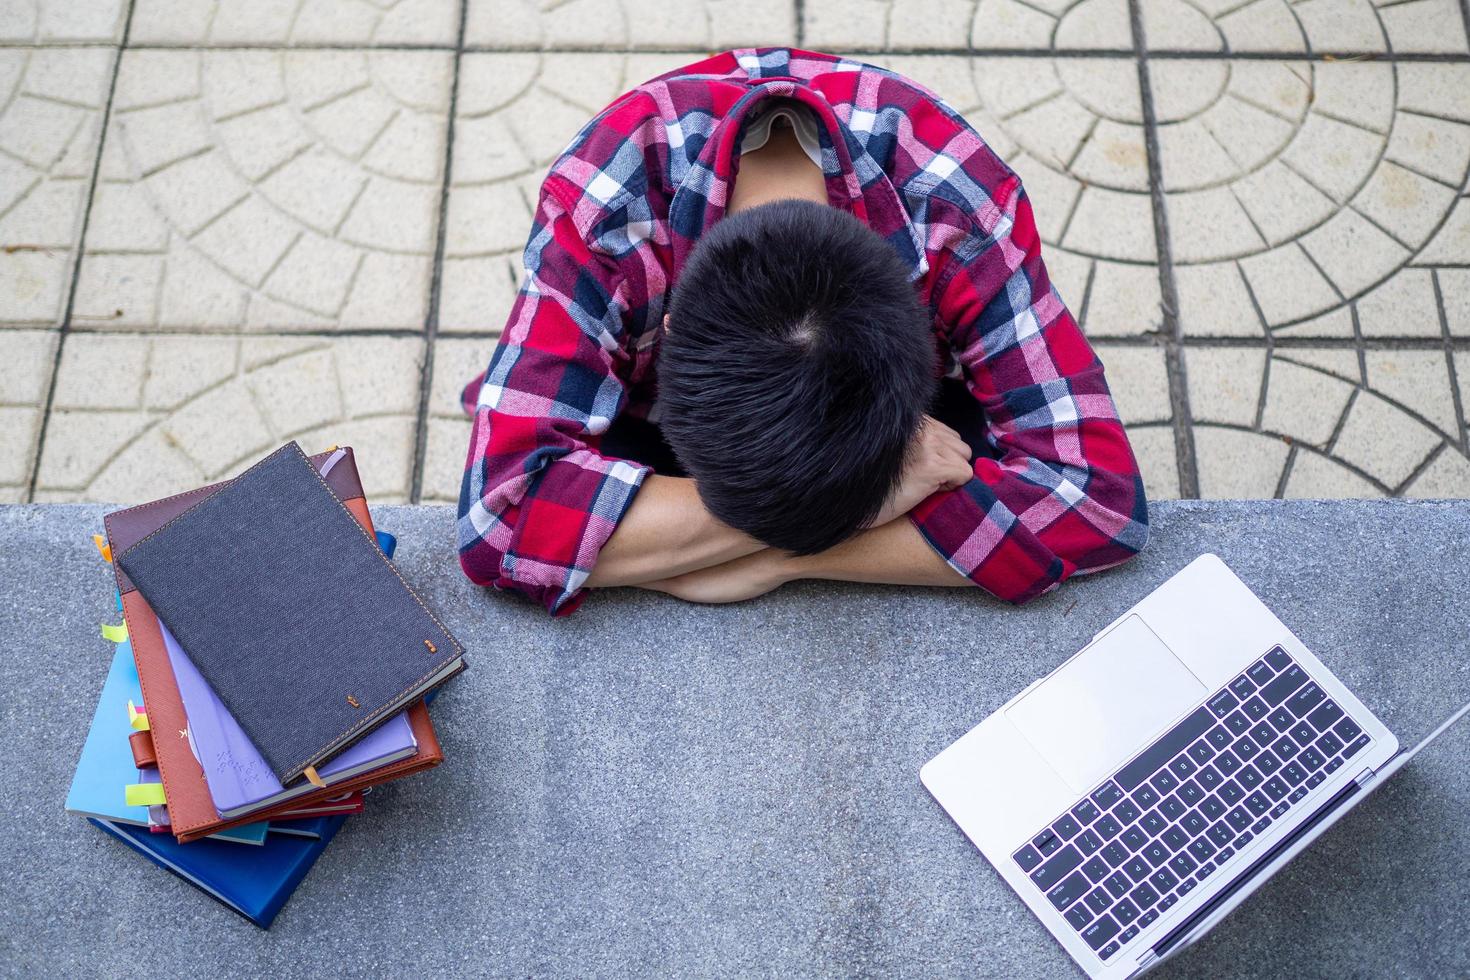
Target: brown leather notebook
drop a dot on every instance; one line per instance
(190, 807)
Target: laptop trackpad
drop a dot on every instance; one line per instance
(1105, 704)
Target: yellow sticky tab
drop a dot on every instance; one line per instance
(137, 720)
(115, 632)
(103, 548)
(144, 794)
(330, 449)
(311, 777)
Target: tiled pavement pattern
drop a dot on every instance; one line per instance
(302, 218)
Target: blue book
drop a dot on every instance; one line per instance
(254, 881)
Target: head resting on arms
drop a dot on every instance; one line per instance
(797, 366)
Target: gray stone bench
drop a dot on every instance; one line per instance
(657, 788)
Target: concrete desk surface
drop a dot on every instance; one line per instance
(648, 787)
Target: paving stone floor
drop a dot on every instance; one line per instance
(231, 222)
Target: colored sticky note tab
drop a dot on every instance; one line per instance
(312, 777)
(115, 632)
(143, 794)
(103, 548)
(137, 720)
(118, 594)
(387, 543)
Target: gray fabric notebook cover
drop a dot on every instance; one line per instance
(284, 602)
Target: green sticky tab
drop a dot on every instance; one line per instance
(143, 794)
(115, 632)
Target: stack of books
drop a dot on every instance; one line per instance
(271, 667)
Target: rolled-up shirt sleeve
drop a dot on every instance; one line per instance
(1062, 495)
(538, 501)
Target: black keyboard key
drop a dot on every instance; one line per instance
(1164, 782)
(1347, 729)
(1144, 897)
(1100, 931)
(1168, 902)
(1237, 723)
(1189, 792)
(1079, 915)
(1098, 900)
(1174, 838)
(1202, 849)
(1255, 709)
(1085, 812)
(1125, 912)
(1355, 746)
(1263, 733)
(1245, 748)
(1047, 842)
(1267, 763)
(1069, 890)
(1220, 834)
(1278, 658)
(1223, 703)
(1211, 807)
(1183, 767)
(1107, 826)
(1244, 839)
(1230, 792)
(1193, 823)
(1181, 735)
(1108, 950)
(1226, 853)
(1260, 672)
(1133, 838)
(1284, 747)
(1096, 870)
(1297, 795)
(1164, 880)
(1067, 827)
(1106, 796)
(1281, 719)
(1325, 715)
(1153, 821)
(1146, 796)
(1156, 853)
(1218, 737)
(1227, 763)
(1248, 778)
(1063, 863)
(1182, 864)
(1088, 842)
(1311, 759)
(1028, 858)
(1207, 778)
(1115, 854)
(1205, 870)
(1257, 803)
(1242, 687)
(1278, 810)
(1276, 788)
(1283, 685)
(1317, 779)
(1333, 766)
(1329, 744)
(1260, 825)
(1126, 812)
(1303, 733)
(1118, 884)
(1305, 699)
(1172, 808)
(1148, 917)
(1128, 934)
(1137, 869)
(1238, 819)
(1294, 774)
(1201, 752)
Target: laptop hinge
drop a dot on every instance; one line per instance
(1146, 959)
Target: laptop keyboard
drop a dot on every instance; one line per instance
(1165, 821)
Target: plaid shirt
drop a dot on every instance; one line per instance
(616, 218)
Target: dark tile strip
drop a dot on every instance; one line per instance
(1171, 334)
(1449, 355)
(800, 14)
(76, 262)
(436, 281)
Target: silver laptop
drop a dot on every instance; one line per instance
(1139, 792)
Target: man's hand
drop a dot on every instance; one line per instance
(734, 581)
(937, 459)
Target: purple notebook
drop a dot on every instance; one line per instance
(239, 779)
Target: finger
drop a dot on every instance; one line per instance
(956, 442)
(938, 428)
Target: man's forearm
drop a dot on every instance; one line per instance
(665, 532)
(893, 554)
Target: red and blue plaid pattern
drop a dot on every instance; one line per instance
(617, 216)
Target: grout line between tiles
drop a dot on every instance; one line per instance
(436, 281)
(76, 264)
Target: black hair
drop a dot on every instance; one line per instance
(796, 369)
